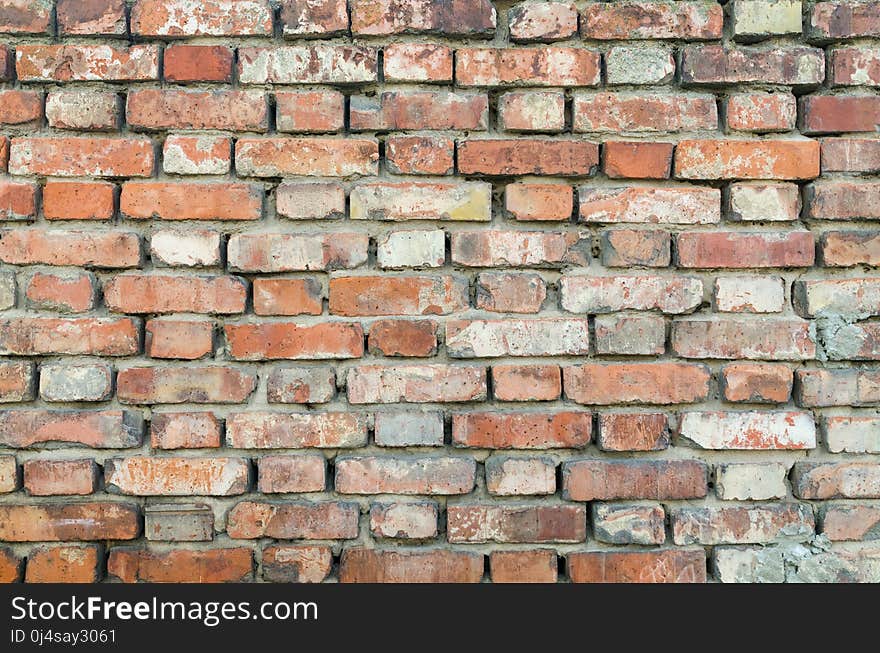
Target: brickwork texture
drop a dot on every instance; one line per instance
(439, 291)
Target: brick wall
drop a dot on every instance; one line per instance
(439, 290)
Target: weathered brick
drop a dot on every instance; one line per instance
(632, 383)
(510, 337)
(532, 430)
(843, 200)
(70, 248)
(301, 521)
(629, 524)
(757, 382)
(107, 429)
(187, 430)
(411, 249)
(419, 155)
(637, 159)
(749, 294)
(394, 110)
(197, 63)
(843, 480)
(18, 200)
(844, 20)
(847, 523)
(191, 201)
(795, 65)
(857, 155)
(417, 62)
(630, 335)
(301, 385)
(735, 159)
(196, 155)
(468, 201)
(653, 205)
(761, 112)
(749, 430)
(26, 17)
(257, 430)
(403, 429)
(661, 566)
(179, 18)
(131, 565)
(516, 523)
(360, 565)
(179, 385)
(411, 475)
(730, 249)
(643, 64)
(165, 293)
(86, 63)
(160, 109)
(397, 295)
(404, 520)
(526, 382)
(69, 522)
(16, 381)
(506, 292)
(81, 157)
(296, 252)
(547, 66)
(296, 564)
(542, 21)
(75, 382)
(313, 18)
(763, 524)
(288, 297)
(636, 247)
(472, 18)
(532, 111)
(192, 248)
(504, 157)
(755, 339)
(310, 111)
(280, 474)
(588, 480)
(674, 295)
(643, 112)
(52, 477)
(856, 297)
(854, 66)
(176, 522)
(308, 156)
(287, 340)
(83, 110)
(11, 566)
(652, 20)
(489, 248)
(95, 336)
(856, 434)
(751, 481)
(760, 202)
(307, 64)
(64, 564)
(837, 387)
(633, 432)
(166, 476)
(20, 107)
(509, 476)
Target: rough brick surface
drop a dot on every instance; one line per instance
(439, 290)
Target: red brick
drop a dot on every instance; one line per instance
(662, 566)
(81, 157)
(761, 112)
(637, 159)
(650, 205)
(555, 430)
(288, 521)
(757, 382)
(378, 384)
(61, 292)
(565, 158)
(310, 111)
(636, 247)
(69, 522)
(91, 17)
(588, 480)
(643, 112)
(89, 336)
(525, 523)
(517, 476)
(75, 200)
(472, 18)
(843, 387)
(632, 383)
(20, 107)
(729, 249)
(184, 339)
(761, 524)
(255, 430)
(101, 250)
(411, 475)
(64, 564)
(108, 429)
(542, 21)
(850, 155)
(18, 200)
(403, 338)
(288, 297)
(417, 62)
(848, 248)
(854, 66)
(305, 473)
(505, 292)
(86, 63)
(529, 201)
(532, 111)
(16, 381)
(296, 564)
(11, 566)
(419, 155)
(538, 566)
(152, 109)
(287, 340)
(181, 565)
(633, 432)
(827, 114)
(178, 18)
(50, 477)
(360, 565)
(843, 200)
(526, 382)
(312, 157)
(179, 385)
(848, 523)
(404, 520)
(307, 64)
(394, 110)
(756, 339)
(490, 248)
(844, 480)
(198, 63)
(734, 159)
(141, 293)
(301, 385)
(184, 431)
(844, 20)
(314, 18)
(25, 17)
(718, 64)
(546, 66)
(356, 296)
(692, 21)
